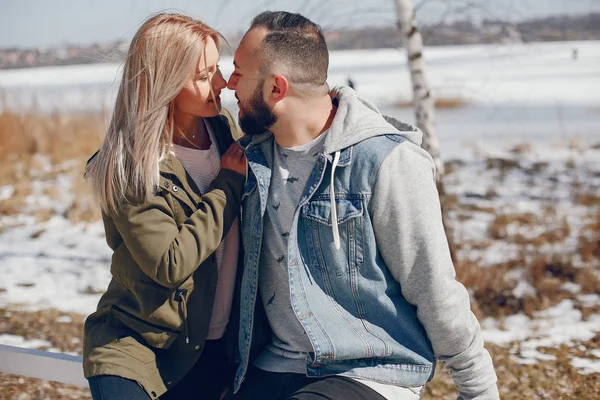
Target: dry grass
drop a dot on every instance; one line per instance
(498, 229)
(439, 102)
(38, 147)
(493, 293)
(588, 199)
(19, 388)
(502, 164)
(557, 379)
(452, 165)
(58, 136)
(44, 325)
(554, 379)
(469, 207)
(544, 260)
(521, 148)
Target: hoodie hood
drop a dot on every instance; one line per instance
(357, 119)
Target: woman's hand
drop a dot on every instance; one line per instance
(234, 159)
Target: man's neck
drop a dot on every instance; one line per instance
(304, 123)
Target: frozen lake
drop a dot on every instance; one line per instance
(510, 93)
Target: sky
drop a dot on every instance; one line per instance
(40, 23)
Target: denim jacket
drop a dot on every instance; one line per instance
(359, 285)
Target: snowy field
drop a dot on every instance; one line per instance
(519, 94)
(512, 91)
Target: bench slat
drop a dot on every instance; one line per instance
(40, 364)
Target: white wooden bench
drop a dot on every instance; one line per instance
(40, 364)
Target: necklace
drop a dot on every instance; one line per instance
(202, 146)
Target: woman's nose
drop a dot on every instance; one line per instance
(220, 82)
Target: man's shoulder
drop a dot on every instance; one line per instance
(378, 147)
(392, 147)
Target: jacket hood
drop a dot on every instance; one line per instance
(357, 119)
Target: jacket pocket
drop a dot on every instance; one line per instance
(157, 313)
(319, 210)
(157, 336)
(123, 341)
(319, 228)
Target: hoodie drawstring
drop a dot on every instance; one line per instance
(334, 221)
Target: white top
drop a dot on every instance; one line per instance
(203, 166)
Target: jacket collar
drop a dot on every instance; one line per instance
(172, 173)
(345, 157)
(345, 154)
(172, 169)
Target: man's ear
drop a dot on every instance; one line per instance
(279, 88)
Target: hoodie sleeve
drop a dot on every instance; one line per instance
(410, 237)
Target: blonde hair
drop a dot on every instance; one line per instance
(162, 55)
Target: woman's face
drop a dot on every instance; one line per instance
(195, 98)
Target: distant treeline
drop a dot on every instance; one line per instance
(557, 28)
(560, 28)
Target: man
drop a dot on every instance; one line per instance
(345, 252)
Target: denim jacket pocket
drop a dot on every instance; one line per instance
(319, 209)
(319, 233)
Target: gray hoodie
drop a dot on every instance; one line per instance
(410, 236)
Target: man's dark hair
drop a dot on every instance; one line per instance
(294, 42)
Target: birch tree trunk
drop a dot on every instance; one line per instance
(423, 100)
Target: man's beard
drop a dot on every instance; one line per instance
(257, 117)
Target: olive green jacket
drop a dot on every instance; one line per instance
(151, 324)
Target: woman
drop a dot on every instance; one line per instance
(169, 179)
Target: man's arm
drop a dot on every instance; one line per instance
(410, 236)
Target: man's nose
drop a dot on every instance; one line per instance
(231, 83)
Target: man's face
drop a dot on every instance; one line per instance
(255, 115)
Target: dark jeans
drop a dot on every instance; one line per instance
(206, 380)
(110, 387)
(266, 385)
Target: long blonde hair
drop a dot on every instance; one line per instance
(162, 55)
